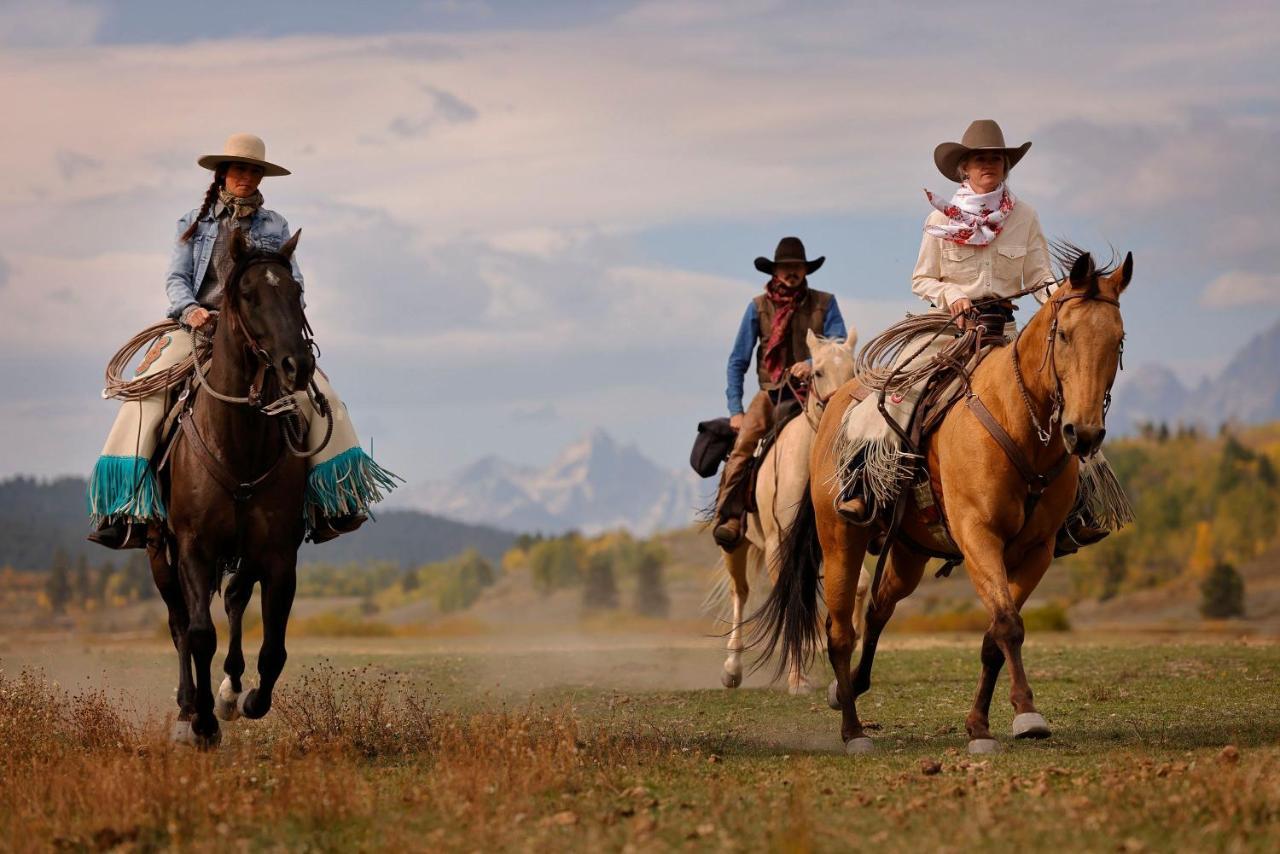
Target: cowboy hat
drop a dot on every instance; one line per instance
(789, 249)
(243, 148)
(982, 135)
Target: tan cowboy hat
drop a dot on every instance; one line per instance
(243, 148)
(982, 135)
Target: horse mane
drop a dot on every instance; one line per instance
(1065, 254)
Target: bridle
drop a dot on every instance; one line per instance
(285, 405)
(1043, 433)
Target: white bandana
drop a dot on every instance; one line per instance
(974, 219)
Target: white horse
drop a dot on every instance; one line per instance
(781, 483)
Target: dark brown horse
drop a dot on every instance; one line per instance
(1006, 485)
(236, 492)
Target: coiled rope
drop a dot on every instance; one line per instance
(137, 388)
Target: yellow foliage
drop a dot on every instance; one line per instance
(1202, 553)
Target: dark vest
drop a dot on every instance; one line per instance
(811, 314)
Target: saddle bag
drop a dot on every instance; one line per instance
(711, 447)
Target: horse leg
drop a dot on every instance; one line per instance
(736, 563)
(202, 640)
(166, 581)
(236, 598)
(1002, 641)
(279, 580)
(902, 575)
(842, 549)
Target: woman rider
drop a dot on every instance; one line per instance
(123, 492)
(982, 244)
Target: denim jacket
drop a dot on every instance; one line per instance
(190, 260)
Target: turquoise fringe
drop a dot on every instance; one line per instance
(346, 485)
(124, 488)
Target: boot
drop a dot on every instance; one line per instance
(854, 511)
(120, 534)
(728, 534)
(332, 527)
(1075, 534)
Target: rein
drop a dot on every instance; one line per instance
(242, 492)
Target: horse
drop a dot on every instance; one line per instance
(780, 487)
(235, 492)
(1006, 488)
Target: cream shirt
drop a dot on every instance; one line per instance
(1018, 258)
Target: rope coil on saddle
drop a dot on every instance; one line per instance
(116, 386)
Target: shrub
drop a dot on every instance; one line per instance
(1222, 593)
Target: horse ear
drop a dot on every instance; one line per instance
(851, 339)
(1082, 271)
(290, 244)
(239, 244)
(810, 339)
(1126, 272)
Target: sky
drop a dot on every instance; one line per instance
(522, 221)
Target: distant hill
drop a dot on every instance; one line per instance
(37, 517)
(1246, 392)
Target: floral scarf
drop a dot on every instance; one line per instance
(784, 301)
(973, 219)
(240, 208)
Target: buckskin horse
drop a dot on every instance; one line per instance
(1005, 489)
(236, 484)
(781, 483)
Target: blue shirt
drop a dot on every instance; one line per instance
(189, 260)
(745, 344)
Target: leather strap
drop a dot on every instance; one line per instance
(1036, 483)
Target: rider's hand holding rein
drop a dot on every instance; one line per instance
(196, 317)
(959, 309)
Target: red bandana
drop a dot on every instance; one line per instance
(784, 301)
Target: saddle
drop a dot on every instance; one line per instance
(783, 414)
(948, 384)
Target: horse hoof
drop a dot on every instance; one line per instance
(1030, 725)
(800, 689)
(730, 679)
(225, 702)
(182, 734)
(984, 745)
(833, 695)
(859, 746)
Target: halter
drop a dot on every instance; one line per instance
(1043, 433)
(286, 404)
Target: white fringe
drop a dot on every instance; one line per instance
(1102, 494)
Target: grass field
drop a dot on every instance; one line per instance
(576, 744)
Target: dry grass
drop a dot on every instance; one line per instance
(362, 758)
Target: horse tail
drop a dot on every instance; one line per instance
(788, 620)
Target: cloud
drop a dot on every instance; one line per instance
(490, 244)
(1238, 288)
(73, 164)
(447, 108)
(49, 23)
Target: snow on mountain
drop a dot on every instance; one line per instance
(593, 485)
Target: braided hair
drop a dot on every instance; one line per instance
(210, 196)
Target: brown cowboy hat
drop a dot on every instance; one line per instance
(982, 135)
(243, 148)
(789, 249)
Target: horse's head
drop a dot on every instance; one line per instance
(832, 363)
(1086, 338)
(263, 302)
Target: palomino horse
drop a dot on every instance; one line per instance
(236, 492)
(1005, 497)
(780, 488)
